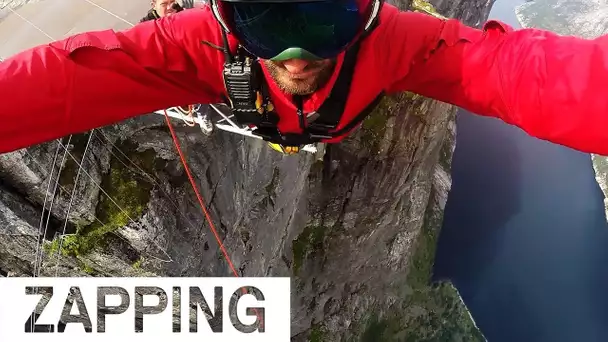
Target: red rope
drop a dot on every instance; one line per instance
(198, 195)
(202, 204)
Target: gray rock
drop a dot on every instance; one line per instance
(567, 17)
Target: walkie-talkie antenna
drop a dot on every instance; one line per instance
(227, 54)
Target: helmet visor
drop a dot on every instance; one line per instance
(283, 30)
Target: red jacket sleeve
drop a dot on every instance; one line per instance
(98, 78)
(553, 87)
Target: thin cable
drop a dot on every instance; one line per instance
(61, 186)
(195, 188)
(116, 204)
(48, 217)
(29, 22)
(110, 13)
(67, 215)
(111, 199)
(44, 206)
(40, 235)
(152, 179)
(183, 159)
(95, 217)
(38, 250)
(38, 245)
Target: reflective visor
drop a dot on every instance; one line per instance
(283, 30)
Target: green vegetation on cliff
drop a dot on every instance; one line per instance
(430, 312)
(309, 242)
(128, 193)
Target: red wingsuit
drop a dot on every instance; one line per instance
(553, 87)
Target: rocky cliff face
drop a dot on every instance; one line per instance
(473, 13)
(588, 19)
(568, 17)
(355, 229)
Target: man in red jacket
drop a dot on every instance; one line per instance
(323, 65)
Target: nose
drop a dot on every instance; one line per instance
(295, 65)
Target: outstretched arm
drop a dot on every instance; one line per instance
(97, 78)
(553, 87)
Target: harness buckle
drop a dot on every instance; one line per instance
(272, 134)
(319, 126)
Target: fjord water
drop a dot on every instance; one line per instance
(525, 239)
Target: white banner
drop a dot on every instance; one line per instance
(138, 309)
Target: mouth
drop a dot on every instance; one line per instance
(305, 73)
(301, 75)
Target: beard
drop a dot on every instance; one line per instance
(301, 86)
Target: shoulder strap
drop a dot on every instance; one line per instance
(329, 114)
(360, 117)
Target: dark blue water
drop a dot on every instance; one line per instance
(524, 238)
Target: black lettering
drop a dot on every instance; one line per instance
(83, 315)
(177, 310)
(256, 311)
(140, 309)
(196, 298)
(30, 324)
(103, 309)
